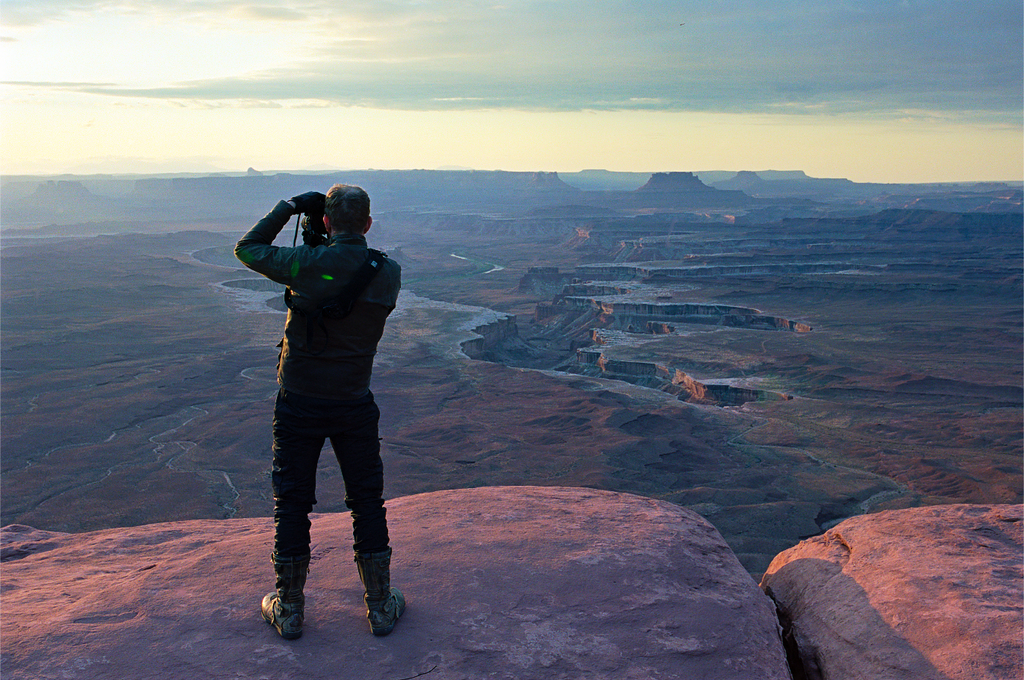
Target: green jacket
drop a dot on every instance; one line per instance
(337, 366)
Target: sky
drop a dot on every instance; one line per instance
(893, 91)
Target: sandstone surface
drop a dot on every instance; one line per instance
(920, 594)
(502, 582)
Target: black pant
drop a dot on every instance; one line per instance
(301, 424)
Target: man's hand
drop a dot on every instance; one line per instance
(311, 202)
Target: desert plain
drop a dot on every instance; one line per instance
(774, 354)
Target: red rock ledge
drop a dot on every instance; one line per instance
(506, 582)
(929, 593)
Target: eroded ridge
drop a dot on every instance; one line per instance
(622, 303)
(674, 381)
(565, 334)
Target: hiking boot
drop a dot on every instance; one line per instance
(384, 604)
(283, 608)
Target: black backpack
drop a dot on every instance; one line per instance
(340, 306)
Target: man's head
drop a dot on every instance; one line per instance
(347, 210)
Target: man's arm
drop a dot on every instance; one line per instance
(256, 250)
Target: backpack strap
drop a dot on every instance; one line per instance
(340, 306)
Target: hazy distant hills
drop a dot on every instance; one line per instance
(606, 180)
(987, 197)
(110, 204)
(802, 185)
(206, 200)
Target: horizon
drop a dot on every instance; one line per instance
(72, 176)
(252, 172)
(903, 92)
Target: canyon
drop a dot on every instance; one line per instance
(775, 363)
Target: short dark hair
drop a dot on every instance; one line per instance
(347, 207)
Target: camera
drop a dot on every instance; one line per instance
(314, 233)
(310, 206)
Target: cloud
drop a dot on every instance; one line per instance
(870, 57)
(269, 13)
(41, 12)
(75, 86)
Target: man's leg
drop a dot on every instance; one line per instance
(357, 447)
(297, 445)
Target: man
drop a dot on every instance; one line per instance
(324, 376)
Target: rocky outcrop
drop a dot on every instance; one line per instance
(635, 316)
(923, 594)
(676, 190)
(63, 191)
(623, 271)
(673, 182)
(745, 180)
(544, 280)
(513, 582)
(665, 191)
(673, 381)
(490, 335)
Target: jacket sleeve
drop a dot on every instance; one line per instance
(256, 250)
